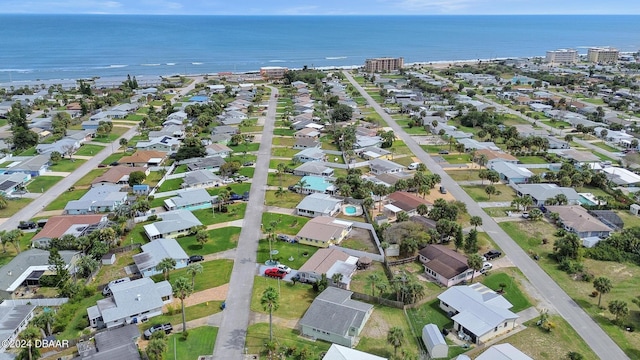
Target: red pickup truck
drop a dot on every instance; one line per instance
(275, 273)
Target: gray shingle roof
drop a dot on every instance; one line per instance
(320, 203)
(21, 263)
(190, 197)
(199, 177)
(133, 297)
(333, 311)
(155, 251)
(172, 221)
(11, 317)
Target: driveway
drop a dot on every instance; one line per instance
(588, 329)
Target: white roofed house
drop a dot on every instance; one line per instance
(621, 176)
(318, 205)
(510, 172)
(310, 154)
(189, 199)
(164, 143)
(221, 150)
(382, 166)
(200, 179)
(478, 313)
(173, 224)
(503, 352)
(542, 193)
(157, 250)
(131, 302)
(316, 168)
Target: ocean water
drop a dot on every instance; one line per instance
(74, 46)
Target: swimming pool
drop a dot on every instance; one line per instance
(350, 210)
(584, 201)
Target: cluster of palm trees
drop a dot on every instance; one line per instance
(10, 237)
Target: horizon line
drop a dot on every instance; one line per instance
(318, 15)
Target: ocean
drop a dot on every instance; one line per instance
(36, 47)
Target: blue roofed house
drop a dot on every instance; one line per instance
(318, 205)
(310, 154)
(99, 199)
(334, 317)
(316, 184)
(510, 172)
(157, 250)
(140, 189)
(189, 199)
(33, 165)
(173, 224)
(131, 302)
(478, 312)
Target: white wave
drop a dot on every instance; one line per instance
(171, 64)
(117, 66)
(17, 70)
(277, 61)
(196, 63)
(149, 64)
(335, 57)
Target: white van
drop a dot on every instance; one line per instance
(414, 165)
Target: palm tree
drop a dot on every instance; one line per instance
(619, 309)
(280, 192)
(280, 170)
(270, 301)
(603, 286)
(490, 190)
(202, 237)
(223, 197)
(13, 236)
(194, 269)
(3, 201)
(395, 337)
(44, 321)
(345, 190)
(157, 346)
(300, 185)
(181, 290)
(474, 261)
(422, 209)
(3, 240)
(368, 203)
(374, 278)
(526, 201)
(336, 278)
(165, 265)
(29, 337)
(402, 216)
(475, 221)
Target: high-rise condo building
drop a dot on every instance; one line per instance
(562, 56)
(383, 64)
(603, 55)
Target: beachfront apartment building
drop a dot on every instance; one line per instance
(383, 64)
(562, 56)
(273, 72)
(604, 55)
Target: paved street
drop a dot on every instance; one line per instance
(588, 329)
(233, 328)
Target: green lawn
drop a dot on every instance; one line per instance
(89, 150)
(288, 200)
(258, 335)
(297, 297)
(113, 158)
(361, 284)
(241, 147)
(42, 183)
(90, 176)
(61, 201)
(383, 318)
(286, 251)
(283, 132)
(238, 188)
(457, 158)
(115, 133)
(171, 184)
(66, 165)
(283, 141)
(595, 101)
(210, 217)
(221, 268)
(604, 146)
(556, 124)
(478, 194)
(78, 320)
(180, 169)
(199, 342)
(23, 244)
(285, 224)
(512, 291)
(464, 175)
(247, 171)
(219, 240)
(532, 160)
(284, 180)
(174, 315)
(498, 211)
(628, 219)
(284, 152)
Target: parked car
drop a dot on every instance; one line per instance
(248, 163)
(227, 181)
(443, 152)
(443, 190)
(195, 258)
(242, 178)
(284, 268)
(492, 254)
(284, 237)
(413, 165)
(486, 267)
(26, 225)
(115, 163)
(167, 328)
(107, 291)
(235, 196)
(275, 273)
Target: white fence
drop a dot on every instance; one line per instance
(36, 302)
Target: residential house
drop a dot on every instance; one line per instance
(555, 143)
(621, 176)
(215, 149)
(178, 116)
(338, 352)
(510, 172)
(13, 182)
(13, 319)
(307, 133)
(444, 265)
(81, 136)
(105, 198)
(189, 199)
(495, 156)
(64, 146)
(223, 129)
(388, 180)
(370, 153)
(310, 154)
(301, 121)
(306, 143)
(577, 220)
(382, 166)
(154, 252)
(579, 157)
(324, 231)
(144, 158)
(220, 139)
(334, 317)
(116, 343)
(172, 224)
(316, 184)
(26, 268)
(318, 205)
(131, 302)
(367, 141)
(200, 179)
(76, 225)
(175, 131)
(164, 144)
(329, 261)
(407, 202)
(117, 175)
(478, 312)
(503, 352)
(211, 163)
(316, 168)
(32, 165)
(541, 193)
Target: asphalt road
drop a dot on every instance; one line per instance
(230, 343)
(34, 207)
(588, 329)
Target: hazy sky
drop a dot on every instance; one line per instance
(321, 7)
